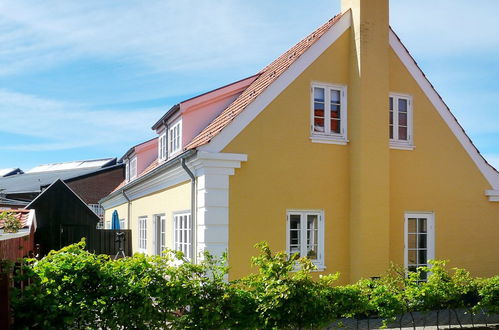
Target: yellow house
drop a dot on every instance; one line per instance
(340, 150)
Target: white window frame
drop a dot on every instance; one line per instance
(159, 224)
(327, 136)
(127, 170)
(122, 224)
(182, 234)
(319, 262)
(142, 234)
(133, 168)
(430, 236)
(395, 142)
(175, 138)
(163, 146)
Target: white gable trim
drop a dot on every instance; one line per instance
(488, 172)
(223, 138)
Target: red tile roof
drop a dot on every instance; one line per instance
(21, 214)
(267, 76)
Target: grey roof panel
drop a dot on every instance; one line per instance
(32, 182)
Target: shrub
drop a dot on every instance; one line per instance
(11, 223)
(75, 289)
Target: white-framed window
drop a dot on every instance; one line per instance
(133, 168)
(162, 146)
(122, 224)
(174, 138)
(182, 233)
(305, 235)
(143, 234)
(400, 125)
(159, 233)
(108, 224)
(97, 209)
(419, 240)
(329, 113)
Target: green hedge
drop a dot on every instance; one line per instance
(76, 289)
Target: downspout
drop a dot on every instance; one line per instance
(193, 209)
(128, 210)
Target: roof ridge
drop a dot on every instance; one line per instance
(265, 79)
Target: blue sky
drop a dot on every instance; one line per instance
(87, 79)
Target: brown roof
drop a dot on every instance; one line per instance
(267, 76)
(21, 214)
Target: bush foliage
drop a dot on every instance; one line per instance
(75, 289)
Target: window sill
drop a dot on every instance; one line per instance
(401, 146)
(329, 139)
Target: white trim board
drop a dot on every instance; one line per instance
(223, 138)
(488, 171)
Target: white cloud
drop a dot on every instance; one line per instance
(162, 35)
(61, 125)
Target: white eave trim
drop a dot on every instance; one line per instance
(493, 195)
(223, 138)
(221, 163)
(488, 171)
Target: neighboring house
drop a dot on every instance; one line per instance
(90, 179)
(18, 245)
(340, 150)
(63, 218)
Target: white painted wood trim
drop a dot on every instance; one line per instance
(430, 216)
(490, 174)
(222, 139)
(493, 195)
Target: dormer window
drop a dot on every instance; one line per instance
(162, 147)
(131, 169)
(175, 138)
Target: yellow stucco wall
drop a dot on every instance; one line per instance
(168, 202)
(439, 176)
(285, 170)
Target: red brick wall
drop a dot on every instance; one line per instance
(92, 188)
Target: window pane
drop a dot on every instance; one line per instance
(391, 132)
(411, 241)
(391, 103)
(318, 94)
(422, 225)
(422, 241)
(294, 221)
(294, 237)
(422, 257)
(411, 228)
(319, 124)
(411, 268)
(391, 117)
(402, 105)
(335, 126)
(411, 258)
(402, 133)
(403, 119)
(318, 109)
(335, 96)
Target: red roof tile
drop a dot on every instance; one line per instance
(21, 214)
(268, 75)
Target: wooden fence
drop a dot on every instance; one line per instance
(111, 242)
